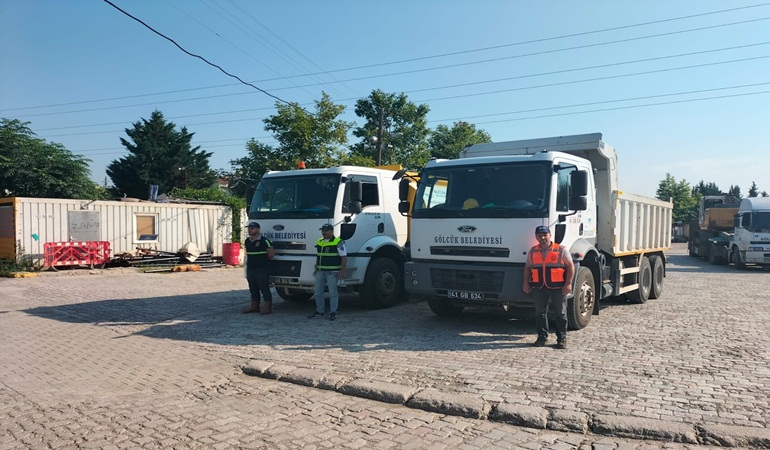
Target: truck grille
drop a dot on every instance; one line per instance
(283, 268)
(478, 252)
(284, 245)
(467, 280)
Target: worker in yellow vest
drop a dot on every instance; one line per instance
(330, 265)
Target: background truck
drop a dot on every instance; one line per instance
(360, 202)
(709, 235)
(474, 219)
(750, 242)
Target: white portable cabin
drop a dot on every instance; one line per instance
(27, 224)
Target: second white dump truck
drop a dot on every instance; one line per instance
(361, 203)
(474, 218)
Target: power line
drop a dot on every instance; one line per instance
(628, 107)
(194, 55)
(416, 59)
(481, 82)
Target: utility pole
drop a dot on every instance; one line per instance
(380, 132)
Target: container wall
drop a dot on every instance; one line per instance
(169, 226)
(641, 224)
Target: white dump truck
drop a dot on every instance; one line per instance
(360, 202)
(750, 242)
(474, 219)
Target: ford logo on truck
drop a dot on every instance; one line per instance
(278, 227)
(466, 228)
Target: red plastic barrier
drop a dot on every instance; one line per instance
(90, 253)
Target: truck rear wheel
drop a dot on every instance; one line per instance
(443, 307)
(293, 295)
(383, 284)
(658, 272)
(581, 306)
(645, 283)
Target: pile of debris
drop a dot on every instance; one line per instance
(160, 261)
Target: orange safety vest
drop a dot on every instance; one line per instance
(548, 271)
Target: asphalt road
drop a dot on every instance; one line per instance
(119, 359)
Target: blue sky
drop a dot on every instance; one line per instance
(676, 87)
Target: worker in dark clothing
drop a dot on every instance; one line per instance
(259, 252)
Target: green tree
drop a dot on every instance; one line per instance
(247, 171)
(32, 167)
(447, 143)
(753, 190)
(735, 192)
(159, 155)
(395, 130)
(685, 205)
(318, 139)
(706, 189)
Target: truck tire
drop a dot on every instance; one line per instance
(580, 307)
(383, 284)
(658, 272)
(293, 295)
(443, 307)
(735, 255)
(645, 283)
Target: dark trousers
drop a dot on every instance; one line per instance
(554, 297)
(259, 282)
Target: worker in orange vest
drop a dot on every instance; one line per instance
(548, 275)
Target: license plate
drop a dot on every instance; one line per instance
(281, 280)
(465, 295)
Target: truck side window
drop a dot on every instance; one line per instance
(746, 220)
(562, 188)
(369, 191)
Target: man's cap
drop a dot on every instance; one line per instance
(253, 223)
(326, 227)
(542, 229)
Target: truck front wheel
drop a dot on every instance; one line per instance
(383, 283)
(581, 306)
(443, 307)
(645, 283)
(736, 257)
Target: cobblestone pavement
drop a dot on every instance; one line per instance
(119, 359)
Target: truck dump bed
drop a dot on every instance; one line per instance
(639, 225)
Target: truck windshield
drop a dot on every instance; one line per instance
(499, 190)
(295, 197)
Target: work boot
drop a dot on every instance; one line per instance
(540, 342)
(268, 309)
(561, 344)
(254, 308)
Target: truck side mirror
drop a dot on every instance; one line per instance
(578, 181)
(578, 203)
(356, 193)
(403, 189)
(403, 207)
(250, 195)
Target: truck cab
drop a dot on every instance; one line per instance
(361, 203)
(750, 243)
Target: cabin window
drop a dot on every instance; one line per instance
(562, 188)
(146, 226)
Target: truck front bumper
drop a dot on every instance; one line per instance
(466, 284)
